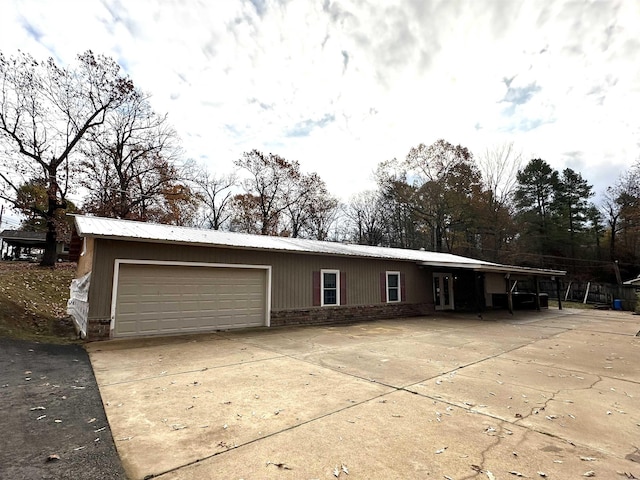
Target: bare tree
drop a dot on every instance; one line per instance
(364, 212)
(216, 193)
(322, 217)
(275, 183)
(45, 113)
(621, 208)
(310, 214)
(131, 166)
(499, 168)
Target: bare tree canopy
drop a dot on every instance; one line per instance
(499, 168)
(45, 113)
(216, 194)
(131, 167)
(279, 198)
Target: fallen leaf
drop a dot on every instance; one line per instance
(280, 465)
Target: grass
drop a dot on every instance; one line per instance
(569, 304)
(33, 302)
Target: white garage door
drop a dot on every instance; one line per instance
(168, 299)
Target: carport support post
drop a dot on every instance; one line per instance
(509, 295)
(537, 284)
(558, 293)
(478, 292)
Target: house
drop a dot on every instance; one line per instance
(19, 244)
(139, 279)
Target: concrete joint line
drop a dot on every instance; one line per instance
(204, 369)
(293, 427)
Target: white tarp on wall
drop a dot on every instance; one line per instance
(78, 304)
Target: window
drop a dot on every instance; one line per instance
(330, 287)
(393, 287)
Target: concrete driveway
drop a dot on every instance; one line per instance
(554, 394)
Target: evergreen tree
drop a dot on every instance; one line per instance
(534, 199)
(571, 208)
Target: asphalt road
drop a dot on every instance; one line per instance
(52, 422)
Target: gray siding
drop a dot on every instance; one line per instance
(291, 288)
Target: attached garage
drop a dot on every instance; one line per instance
(163, 298)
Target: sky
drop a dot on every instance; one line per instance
(342, 85)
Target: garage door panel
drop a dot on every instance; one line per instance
(164, 299)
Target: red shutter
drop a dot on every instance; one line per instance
(343, 288)
(403, 290)
(383, 287)
(316, 289)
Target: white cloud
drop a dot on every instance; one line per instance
(343, 85)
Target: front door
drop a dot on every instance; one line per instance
(443, 291)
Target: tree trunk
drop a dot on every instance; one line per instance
(612, 244)
(49, 257)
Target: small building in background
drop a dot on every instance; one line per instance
(28, 246)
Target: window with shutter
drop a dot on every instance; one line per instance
(393, 290)
(330, 287)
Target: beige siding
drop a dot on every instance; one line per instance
(291, 273)
(85, 262)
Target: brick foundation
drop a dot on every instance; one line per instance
(348, 314)
(98, 329)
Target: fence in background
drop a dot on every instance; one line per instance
(587, 292)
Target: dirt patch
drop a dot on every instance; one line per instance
(33, 301)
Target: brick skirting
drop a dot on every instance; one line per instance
(348, 314)
(98, 329)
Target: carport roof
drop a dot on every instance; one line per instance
(127, 230)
